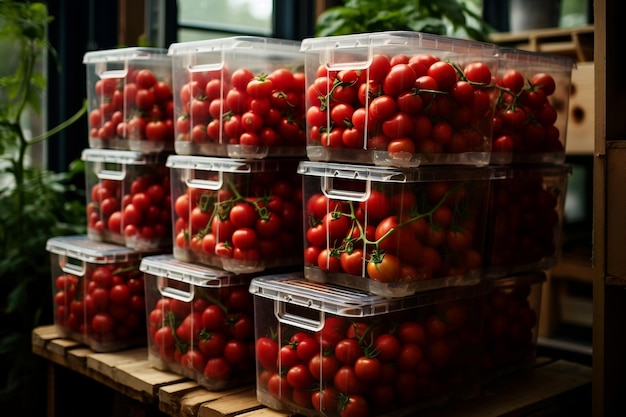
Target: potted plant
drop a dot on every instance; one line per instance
(456, 18)
(35, 204)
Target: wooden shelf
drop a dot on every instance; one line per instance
(573, 269)
(575, 42)
(553, 387)
(554, 296)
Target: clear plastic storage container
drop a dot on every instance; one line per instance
(98, 293)
(525, 218)
(511, 326)
(324, 349)
(399, 98)
(130, 99)
(240, 97)
(532, 106)
(243, 216)
(393, 231)
(128, 198)
(200, 322)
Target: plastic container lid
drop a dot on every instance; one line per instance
(217, 164)
(392, 174)
(339, 300)
(123, 54)
(198, 275)
(82, 248)
(399, 38)
(253, 44)
(516, 57)
(120, 156)
(523, 278)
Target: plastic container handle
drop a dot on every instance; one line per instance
(205, 184)
(112, 74)
(285, 317)
(77, 268)
(206, 67)
(110, 174)
(176, 293)
(330, 191)
(103, 72)
(330, 61)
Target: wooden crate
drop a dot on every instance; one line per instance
(581, 117)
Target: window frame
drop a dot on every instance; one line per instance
(291, 20)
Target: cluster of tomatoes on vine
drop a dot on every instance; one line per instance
(139, 209)
(355, 367)
(243, 108)
(105, 307)
(139, 106)
(251, 219)
(403, 104)
(525, 119)
(210, 338)
(397, 235)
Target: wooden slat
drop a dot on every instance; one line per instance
(142, 377)
(48, 341)
(41, 335)
(77, 358)
(575, 42)
(105, 363)
(267, 412)
(40, 338)
(183, 400)
(521, 395)
(231, 405)
(581, 116)
(60, 347)
(547, 33)
(549, 385)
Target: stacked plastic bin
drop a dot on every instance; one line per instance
(99, 295)
(387, 313)
(525, 216)
(357, 223)
(240, 126)
(236, 202)
(131, 133)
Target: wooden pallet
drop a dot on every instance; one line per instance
(552, 385)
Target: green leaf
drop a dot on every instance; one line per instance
(387, 20)
(339, 21)
(453, 12)
(444, 17)
(430, 25)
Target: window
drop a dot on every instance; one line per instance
(223, 18)
(205, 19)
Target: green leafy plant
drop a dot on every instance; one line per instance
(35, 204)
(457, 18)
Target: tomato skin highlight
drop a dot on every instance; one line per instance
(387, 269)
(356, 406)
(367, 368)
(346, 381)
(400, 78)
(352, 262)
(323, 366)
